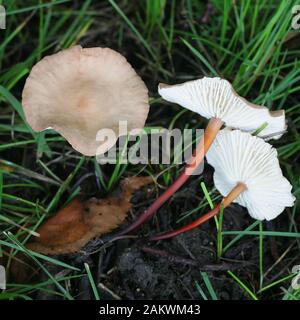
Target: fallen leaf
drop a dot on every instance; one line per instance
(76, 224)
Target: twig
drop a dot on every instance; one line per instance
(103, 287)
(192, 262)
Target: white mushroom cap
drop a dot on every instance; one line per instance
(81, 90)
(216, 98)
(240, 157)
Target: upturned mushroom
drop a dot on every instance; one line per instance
(247, 172)
(79, 91)
(215, 99)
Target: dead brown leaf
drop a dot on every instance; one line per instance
(76, 224)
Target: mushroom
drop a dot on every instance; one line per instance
(247, 172)
(215, 99)
(79, 91)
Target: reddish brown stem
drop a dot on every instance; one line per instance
(234, 193)
(209, 135)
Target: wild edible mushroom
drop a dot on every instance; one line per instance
(79, 91)
(215, 99)
(247, 172)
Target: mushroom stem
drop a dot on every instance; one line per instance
(234, 193)
(213, 127)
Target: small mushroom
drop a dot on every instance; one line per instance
(247, 172)
(215, 99)
(79, 91)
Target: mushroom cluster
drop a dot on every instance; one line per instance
(80, 91)
(247, 169)
(215, 99)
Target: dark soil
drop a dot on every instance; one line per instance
(134, 268)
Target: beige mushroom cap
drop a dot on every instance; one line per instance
(79, 91)
(215, 97)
